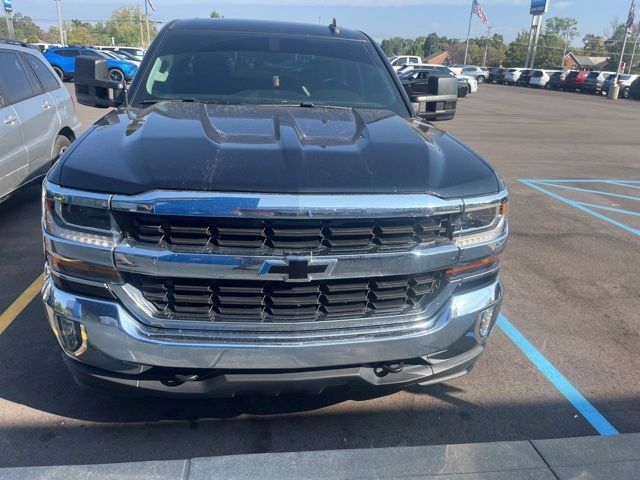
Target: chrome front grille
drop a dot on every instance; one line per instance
(263, 301)
(247, 236)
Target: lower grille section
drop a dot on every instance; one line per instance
(256, 301)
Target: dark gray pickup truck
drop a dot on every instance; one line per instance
(264, 212)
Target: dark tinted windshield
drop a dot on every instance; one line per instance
(266, 69)
(594, 75)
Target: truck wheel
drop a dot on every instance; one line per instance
(625, 92)
(59, 73)
(60, 145)
(116, 75)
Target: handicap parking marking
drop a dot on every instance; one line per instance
(547, 186)
(559, 381)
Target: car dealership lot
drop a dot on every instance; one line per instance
(571, 279)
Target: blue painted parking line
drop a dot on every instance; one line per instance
(590, 190)
(543, 186)
(564, 386)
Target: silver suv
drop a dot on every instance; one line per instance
(37, 118)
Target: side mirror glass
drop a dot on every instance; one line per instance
(92, 84)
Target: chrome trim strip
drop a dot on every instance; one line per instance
(485, 201)
(144, 312)
(268, 205)
(164, 263)
(76, 197)
(93, 254)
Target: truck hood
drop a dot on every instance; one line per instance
(270, 149)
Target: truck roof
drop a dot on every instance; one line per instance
(265, 26)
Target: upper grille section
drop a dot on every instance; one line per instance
(263, 301)
(273, 237)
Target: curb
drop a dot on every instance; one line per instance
(572, 458)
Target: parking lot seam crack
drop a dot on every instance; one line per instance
(186, 472)
(544, 460)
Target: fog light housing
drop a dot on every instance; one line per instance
(486, 320)
(72, 335)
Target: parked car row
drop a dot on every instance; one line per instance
(585, 81)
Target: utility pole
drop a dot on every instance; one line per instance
(62, 42)
(146, 16)
(140, 22)
(486, 47)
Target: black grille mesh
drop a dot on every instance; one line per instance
(234, 300)
(272, 237)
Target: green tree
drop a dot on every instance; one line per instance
(563, 27)
(431, 45)
(79, 33)
(613, 45)
(516, 54)
(124, 26)
(215, 14)
(25, 29)
(394, 46)
(593, 43)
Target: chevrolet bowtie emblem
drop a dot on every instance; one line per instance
(297, 269)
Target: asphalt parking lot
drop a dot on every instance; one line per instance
(571, 273)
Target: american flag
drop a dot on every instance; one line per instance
(632, 15)
(153, 7)
(477, 9)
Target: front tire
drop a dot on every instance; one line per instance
(625, 92)
(116, 75)
(59, 147)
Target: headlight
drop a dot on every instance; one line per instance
(78, 223)
(86, 222)
(482, 223)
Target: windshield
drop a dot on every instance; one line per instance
(240, 68)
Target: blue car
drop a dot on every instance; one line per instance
(63, 61)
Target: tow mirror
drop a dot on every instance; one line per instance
(93, 86)
(434, 98)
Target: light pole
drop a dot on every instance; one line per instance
(566, 47)
(633, 53)
(60, 23)
(486, 47)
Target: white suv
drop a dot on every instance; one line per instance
(37, 118)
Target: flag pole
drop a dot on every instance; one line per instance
(624, 45)
(466, 50)
(146, 14)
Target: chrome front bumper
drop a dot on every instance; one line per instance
(117, 341)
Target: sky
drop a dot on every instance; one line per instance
(380, 18)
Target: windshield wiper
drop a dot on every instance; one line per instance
(186, 100)
(307, 105)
